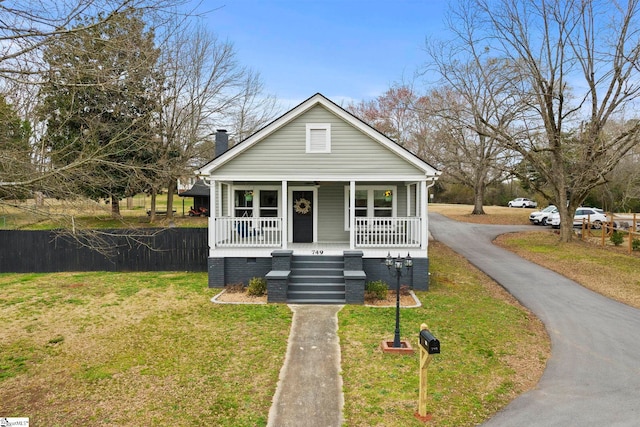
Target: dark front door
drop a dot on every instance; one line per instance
(302, 215)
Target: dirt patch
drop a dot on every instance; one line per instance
(227, 297)
(407, 300)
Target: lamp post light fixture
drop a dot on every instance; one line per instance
(398, 264)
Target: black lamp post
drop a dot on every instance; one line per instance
(398, 263)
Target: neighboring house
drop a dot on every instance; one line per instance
(281, 207)
(200, 193)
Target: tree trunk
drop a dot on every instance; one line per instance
(478, 200)
(115, 208)
(171, 188)
(152, 209)
(566, 209)
(566, 227)
(39, 195)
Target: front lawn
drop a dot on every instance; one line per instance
(151, 349)
(135, 349)
(492, 350)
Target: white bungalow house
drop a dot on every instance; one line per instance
(315, 202)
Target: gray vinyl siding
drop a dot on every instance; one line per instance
(332, 210)
(402, 200)
(282, 155)
(224, 196)
(331, 213)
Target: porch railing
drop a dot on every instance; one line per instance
(249, 232)
(387, 232)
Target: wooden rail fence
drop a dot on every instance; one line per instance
(628, 224)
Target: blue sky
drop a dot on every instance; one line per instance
(349, 50)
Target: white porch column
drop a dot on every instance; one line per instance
(213, 211)
(285, 215)
(424, 225)
(352, 215)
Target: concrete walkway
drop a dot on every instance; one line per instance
(593, 375)
(309, 391)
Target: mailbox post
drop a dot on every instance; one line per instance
(428, 345)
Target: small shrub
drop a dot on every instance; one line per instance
(405, 290)
(376, 290)
(234, 288)
(617, 238)
(635, 244)
(257, 286)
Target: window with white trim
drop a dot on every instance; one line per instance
(372, 201)
(243, 203)
(318, 137)
(268, 203)
(256, 202)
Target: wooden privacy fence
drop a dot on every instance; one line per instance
(174, 249)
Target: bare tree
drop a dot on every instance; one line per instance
(206, 88)
(475, 96)
(26, 25)
(450, 137)
(393, 113)
(578, 68)
(622, 190)
(253, 109)
(440, 128)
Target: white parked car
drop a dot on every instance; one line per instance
(522, 202)
(541, 217)
(594, 215)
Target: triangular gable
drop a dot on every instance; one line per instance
(318, 99)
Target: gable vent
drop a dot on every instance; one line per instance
(318, 138)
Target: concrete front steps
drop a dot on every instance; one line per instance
(317, 280)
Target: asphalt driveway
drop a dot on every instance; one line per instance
(593, 375)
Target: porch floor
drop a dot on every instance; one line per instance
(319, 248)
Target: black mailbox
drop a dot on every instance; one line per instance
(429, 342)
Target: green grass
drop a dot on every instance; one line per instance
(83, 213)
(151, 349)
(483, 341)
(141, 349)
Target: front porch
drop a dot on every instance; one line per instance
(370, 232)
(276, 215)
(325, 223)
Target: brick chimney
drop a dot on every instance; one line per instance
(222, 141)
